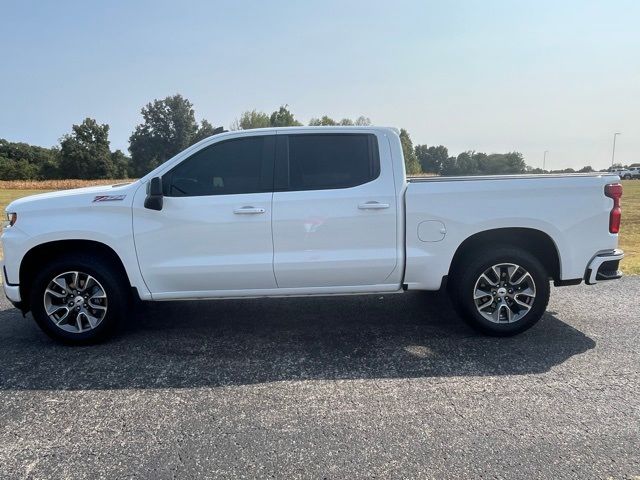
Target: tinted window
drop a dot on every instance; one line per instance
(228, 167)
(322, 161)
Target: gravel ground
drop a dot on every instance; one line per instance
(345, 387)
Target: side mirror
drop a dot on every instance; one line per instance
(154, 198)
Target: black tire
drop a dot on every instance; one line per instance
(627, 177)
(110, 279)
(463, 282)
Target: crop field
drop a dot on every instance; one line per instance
(629, 236)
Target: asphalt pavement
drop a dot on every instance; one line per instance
(391, 386)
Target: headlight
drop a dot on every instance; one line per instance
(12, 218)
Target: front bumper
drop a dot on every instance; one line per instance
(604, 266)
(11, 291)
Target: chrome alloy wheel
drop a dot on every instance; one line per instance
(504, 293)
(75, 302)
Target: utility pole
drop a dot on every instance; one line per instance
(544, 160)
(613, 154)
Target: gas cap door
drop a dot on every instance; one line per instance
(431, 231)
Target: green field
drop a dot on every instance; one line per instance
(630, 228)
(629, 236)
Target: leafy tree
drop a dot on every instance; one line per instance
(21, 161)
(84, 153)
(345, 122)
(169, 127)
(362, 121)
(283, 118)
(515, 163)
(475, 163)
(431, 158)
(587, 169)
(410, 160)
(251, 119)
(122, 166)
(325, 121)
(20, 169)
(205, 130)
(450, 167)
(467, 164)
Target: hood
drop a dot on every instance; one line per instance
(76, 196)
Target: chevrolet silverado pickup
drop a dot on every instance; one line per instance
(307, 211)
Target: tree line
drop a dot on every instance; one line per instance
(169, 126)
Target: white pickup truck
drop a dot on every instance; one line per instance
(307, 211)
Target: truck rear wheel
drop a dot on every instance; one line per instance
(500, 291)
(78, 299)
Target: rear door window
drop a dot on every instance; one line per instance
(326, 161)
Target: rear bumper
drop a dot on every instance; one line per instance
(604, 266)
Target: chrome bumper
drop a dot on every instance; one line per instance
(604, 266)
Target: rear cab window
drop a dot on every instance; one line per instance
(321, 161)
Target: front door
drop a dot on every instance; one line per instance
(214, 230)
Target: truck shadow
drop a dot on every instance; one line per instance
(239, 342)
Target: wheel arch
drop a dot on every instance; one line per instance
(534, 241)
(44, 252)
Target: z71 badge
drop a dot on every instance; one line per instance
(109, 198)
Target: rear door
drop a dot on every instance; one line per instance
(334, 210)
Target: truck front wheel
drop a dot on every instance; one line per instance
(78, 299)
(500, 291)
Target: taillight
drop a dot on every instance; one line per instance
(614, 191)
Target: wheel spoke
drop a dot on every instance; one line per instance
(97, 307)
(88, 282)
(54, 293)
(51, 309)
(496, 272)
(61, 282)
(63, 317)
(529, 292)
(93, 321)
(525, 276)
(79, 321)
(481, 293)
(495, 315)
(490, 282)
(486, 304)
(521, 303)
(504, 306)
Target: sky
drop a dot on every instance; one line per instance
(490, 76)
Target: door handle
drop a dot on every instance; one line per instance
(373, 206)
(248, 210)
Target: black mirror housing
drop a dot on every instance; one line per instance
(154, 199)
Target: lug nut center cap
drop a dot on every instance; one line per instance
(78, 301)
(502, 291)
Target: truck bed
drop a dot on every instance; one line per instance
(441, 212)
